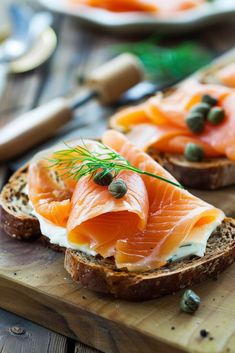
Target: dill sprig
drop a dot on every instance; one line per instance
(78, 162)
(167, 63)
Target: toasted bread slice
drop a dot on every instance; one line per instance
(100, 274)
(210, 174)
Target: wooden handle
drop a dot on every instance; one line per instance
(33, 127)
(115, 77)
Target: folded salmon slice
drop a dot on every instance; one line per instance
(98, 220)
(50, 198)
(174, 214)
(50, 191)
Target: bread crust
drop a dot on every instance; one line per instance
(101, 275)
(210, 174)
(17, 224)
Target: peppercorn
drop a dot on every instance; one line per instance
(216, 115)
(118, 188)
(103, 179)
(195, 122)
(193, 152)
(206, 98)
(190, 301)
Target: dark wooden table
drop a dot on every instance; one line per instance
(78, 51)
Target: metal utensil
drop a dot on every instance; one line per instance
(26, 29)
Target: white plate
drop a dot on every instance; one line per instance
(137, 22)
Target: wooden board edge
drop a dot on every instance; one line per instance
(77, 323)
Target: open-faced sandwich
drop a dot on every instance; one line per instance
(155, 7)
(126, 225)
(189, 130)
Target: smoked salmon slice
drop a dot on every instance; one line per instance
(174, 214)
(166, 7)
(50, 198)
(50, 191)
(98, 220)
(121, 5)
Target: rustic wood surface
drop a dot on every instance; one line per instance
(19, 335)
(34, 285)
(78, 51)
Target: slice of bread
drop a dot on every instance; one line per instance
(16, 216)
(209, 174)
(100, 274)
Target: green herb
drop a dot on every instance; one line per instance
(193, 152)
(190, 301)
(195, 122)
(118, 188)
(216, 115)
(77, 162)
(167, 63)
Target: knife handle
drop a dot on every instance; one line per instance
(33, 127)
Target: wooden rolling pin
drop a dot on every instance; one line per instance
(107, 83)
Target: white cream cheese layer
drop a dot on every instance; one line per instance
(58, 235)
(198, 241)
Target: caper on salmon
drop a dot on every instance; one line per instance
(103, 179)
(193, 152)
(206, 98)
(216, 115)
(118, 188)
(195, 122)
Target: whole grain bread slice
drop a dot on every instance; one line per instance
(101, 275)
(210, 174)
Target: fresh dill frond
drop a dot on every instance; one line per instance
(165, 63)
(78, 162)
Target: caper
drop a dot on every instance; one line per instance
(216, 115)
(202, 108)
(193, 152)
(206, 98)
(103, 179)
(190, 301)
(195, 122)
(118, 188)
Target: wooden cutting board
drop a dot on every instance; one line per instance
(34, 284)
